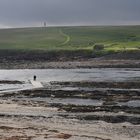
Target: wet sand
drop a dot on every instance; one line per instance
(27, 122)
(106, 111)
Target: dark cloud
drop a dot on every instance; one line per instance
(69, 12)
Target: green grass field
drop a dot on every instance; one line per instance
(114, 38)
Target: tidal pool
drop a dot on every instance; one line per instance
(65, 101)
(132, 103)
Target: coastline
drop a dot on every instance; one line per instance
(90, 63)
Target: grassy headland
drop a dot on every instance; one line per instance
(74, 40)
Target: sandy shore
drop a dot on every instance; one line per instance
(52, 113)
(20, 122)
(49, 114)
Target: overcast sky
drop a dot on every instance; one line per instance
(19, 13)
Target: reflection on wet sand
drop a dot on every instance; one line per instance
(80, 104)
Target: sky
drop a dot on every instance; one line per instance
(21, 13)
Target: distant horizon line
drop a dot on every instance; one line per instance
(105, 25)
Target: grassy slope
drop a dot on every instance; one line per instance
(71, 38)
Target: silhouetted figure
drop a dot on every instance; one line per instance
(34, 77)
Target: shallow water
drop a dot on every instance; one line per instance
(132, 103)
(66, 101)
(14, 87)
(48, 75)
(96, 74)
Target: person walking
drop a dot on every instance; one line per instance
(34, 77)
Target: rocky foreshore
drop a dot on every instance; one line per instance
(89, 63)
(91, 110)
